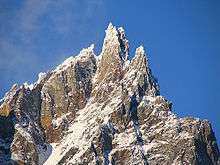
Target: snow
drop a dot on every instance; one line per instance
(41, 76)
(140, 50)
(75, 138)
(84, 54)
(23, 132)
(83, 130)
(9, 95)
(1, 101)
(149, 146)
(162, 142)
(44, 152)
(121, 30)
(58, 121)
(28, 86)
(98, 57)
(147, 100)
(184, 135)
(156, 156)
(111, 39)
(111, 32)
(124, 139)
(69, 61)
(86, 51)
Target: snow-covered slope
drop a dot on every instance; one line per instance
(103, 109)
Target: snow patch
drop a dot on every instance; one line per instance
(41, 76)
(28, 86)
(44, 152)
(149, 146)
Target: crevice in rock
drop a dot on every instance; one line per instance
(134, 119)
(106, 137)
(95, 153)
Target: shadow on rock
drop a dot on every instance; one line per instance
(7, 131)
(135, 120)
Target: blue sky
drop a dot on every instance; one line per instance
(182, 39)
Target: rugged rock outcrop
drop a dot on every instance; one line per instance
(102, 109)
(66, 91)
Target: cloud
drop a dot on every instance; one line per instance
(63, 16)
(28, 29)
(30, 13)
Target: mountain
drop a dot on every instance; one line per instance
(102, 109)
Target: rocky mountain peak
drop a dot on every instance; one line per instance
(85, 54)
(115, 44)
(105, 110)
(110, 67)
(140, 52)
(140, 59)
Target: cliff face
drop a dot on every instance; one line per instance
(102, 109)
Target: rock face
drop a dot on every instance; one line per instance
(102, 109)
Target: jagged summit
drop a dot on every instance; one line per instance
(140, 58)
(103, 109)
(115, 40)
(84, 53)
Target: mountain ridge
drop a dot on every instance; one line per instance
(102, 109)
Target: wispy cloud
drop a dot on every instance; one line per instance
(63, 16)
(29, 29)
